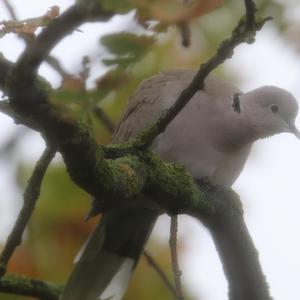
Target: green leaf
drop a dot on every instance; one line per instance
(127, 47)
(121, 6)
(120, 61)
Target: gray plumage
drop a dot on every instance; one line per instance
(208, 136)
(211, 137)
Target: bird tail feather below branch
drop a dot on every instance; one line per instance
(107, 262)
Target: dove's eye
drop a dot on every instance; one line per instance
(274, 108)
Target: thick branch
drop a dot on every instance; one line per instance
(5, 68)
(23, 286)
(7, 109)
(28, 98)
(235, 247)
(30, 197)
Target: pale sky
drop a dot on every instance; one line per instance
(268, 185)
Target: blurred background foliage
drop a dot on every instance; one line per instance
(57, 230)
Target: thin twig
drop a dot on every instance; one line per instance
(250, 14)
(28, 26)
(151, 261)
(184, 29)
(174, 257)
(185, 32)
(31, 195)
(5, 68)
(10, 9)
(24, 286)
(56, 65)
(104, 118)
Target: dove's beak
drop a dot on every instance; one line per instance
(294, 130)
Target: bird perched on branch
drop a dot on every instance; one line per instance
(211, 137)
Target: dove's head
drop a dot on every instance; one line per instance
(270, 110)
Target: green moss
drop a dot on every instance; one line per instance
(169, 185)
(22, 285)
(129, 175)
(174, 187)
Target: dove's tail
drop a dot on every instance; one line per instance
(107, 261)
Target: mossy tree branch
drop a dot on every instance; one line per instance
(31, 195)
(24, 286)
(240, 259)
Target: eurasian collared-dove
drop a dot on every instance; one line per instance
(211, 137)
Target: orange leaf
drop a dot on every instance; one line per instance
(173, 12)
(73, 83)
(28, 26)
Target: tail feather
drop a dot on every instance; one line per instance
(118, 285)
(110, 256)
